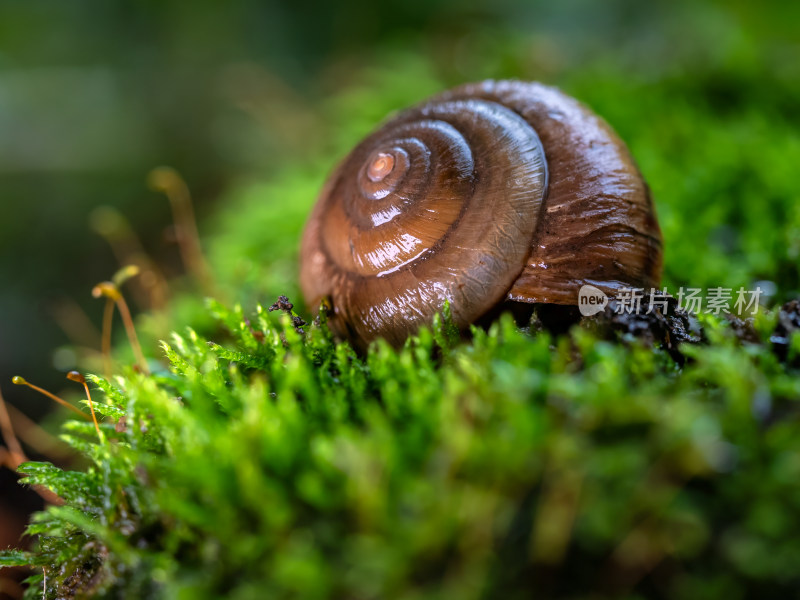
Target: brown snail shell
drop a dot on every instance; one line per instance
(490, 192)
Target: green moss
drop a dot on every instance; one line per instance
(274, 464)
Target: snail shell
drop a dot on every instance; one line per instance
(490, 192)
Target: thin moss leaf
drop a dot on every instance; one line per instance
(178, 364)
(73, 486)
(235, 321)
(16, 558)
(113, 393)
(93, 527)
(444, 329)
(106, 410)
(253, 361)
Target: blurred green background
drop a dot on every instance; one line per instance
(254, 102)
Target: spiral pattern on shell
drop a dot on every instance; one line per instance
(490, 192)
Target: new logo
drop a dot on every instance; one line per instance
(591, 300)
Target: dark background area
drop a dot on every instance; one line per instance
(95, 94)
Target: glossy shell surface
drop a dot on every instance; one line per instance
(489, 192)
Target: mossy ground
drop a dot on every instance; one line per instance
(273, 463)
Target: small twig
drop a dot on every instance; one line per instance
(15, 452)
(284, 305)
(15, 456)
(11, 588)
(36, 437)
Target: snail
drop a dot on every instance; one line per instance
(488, 194)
